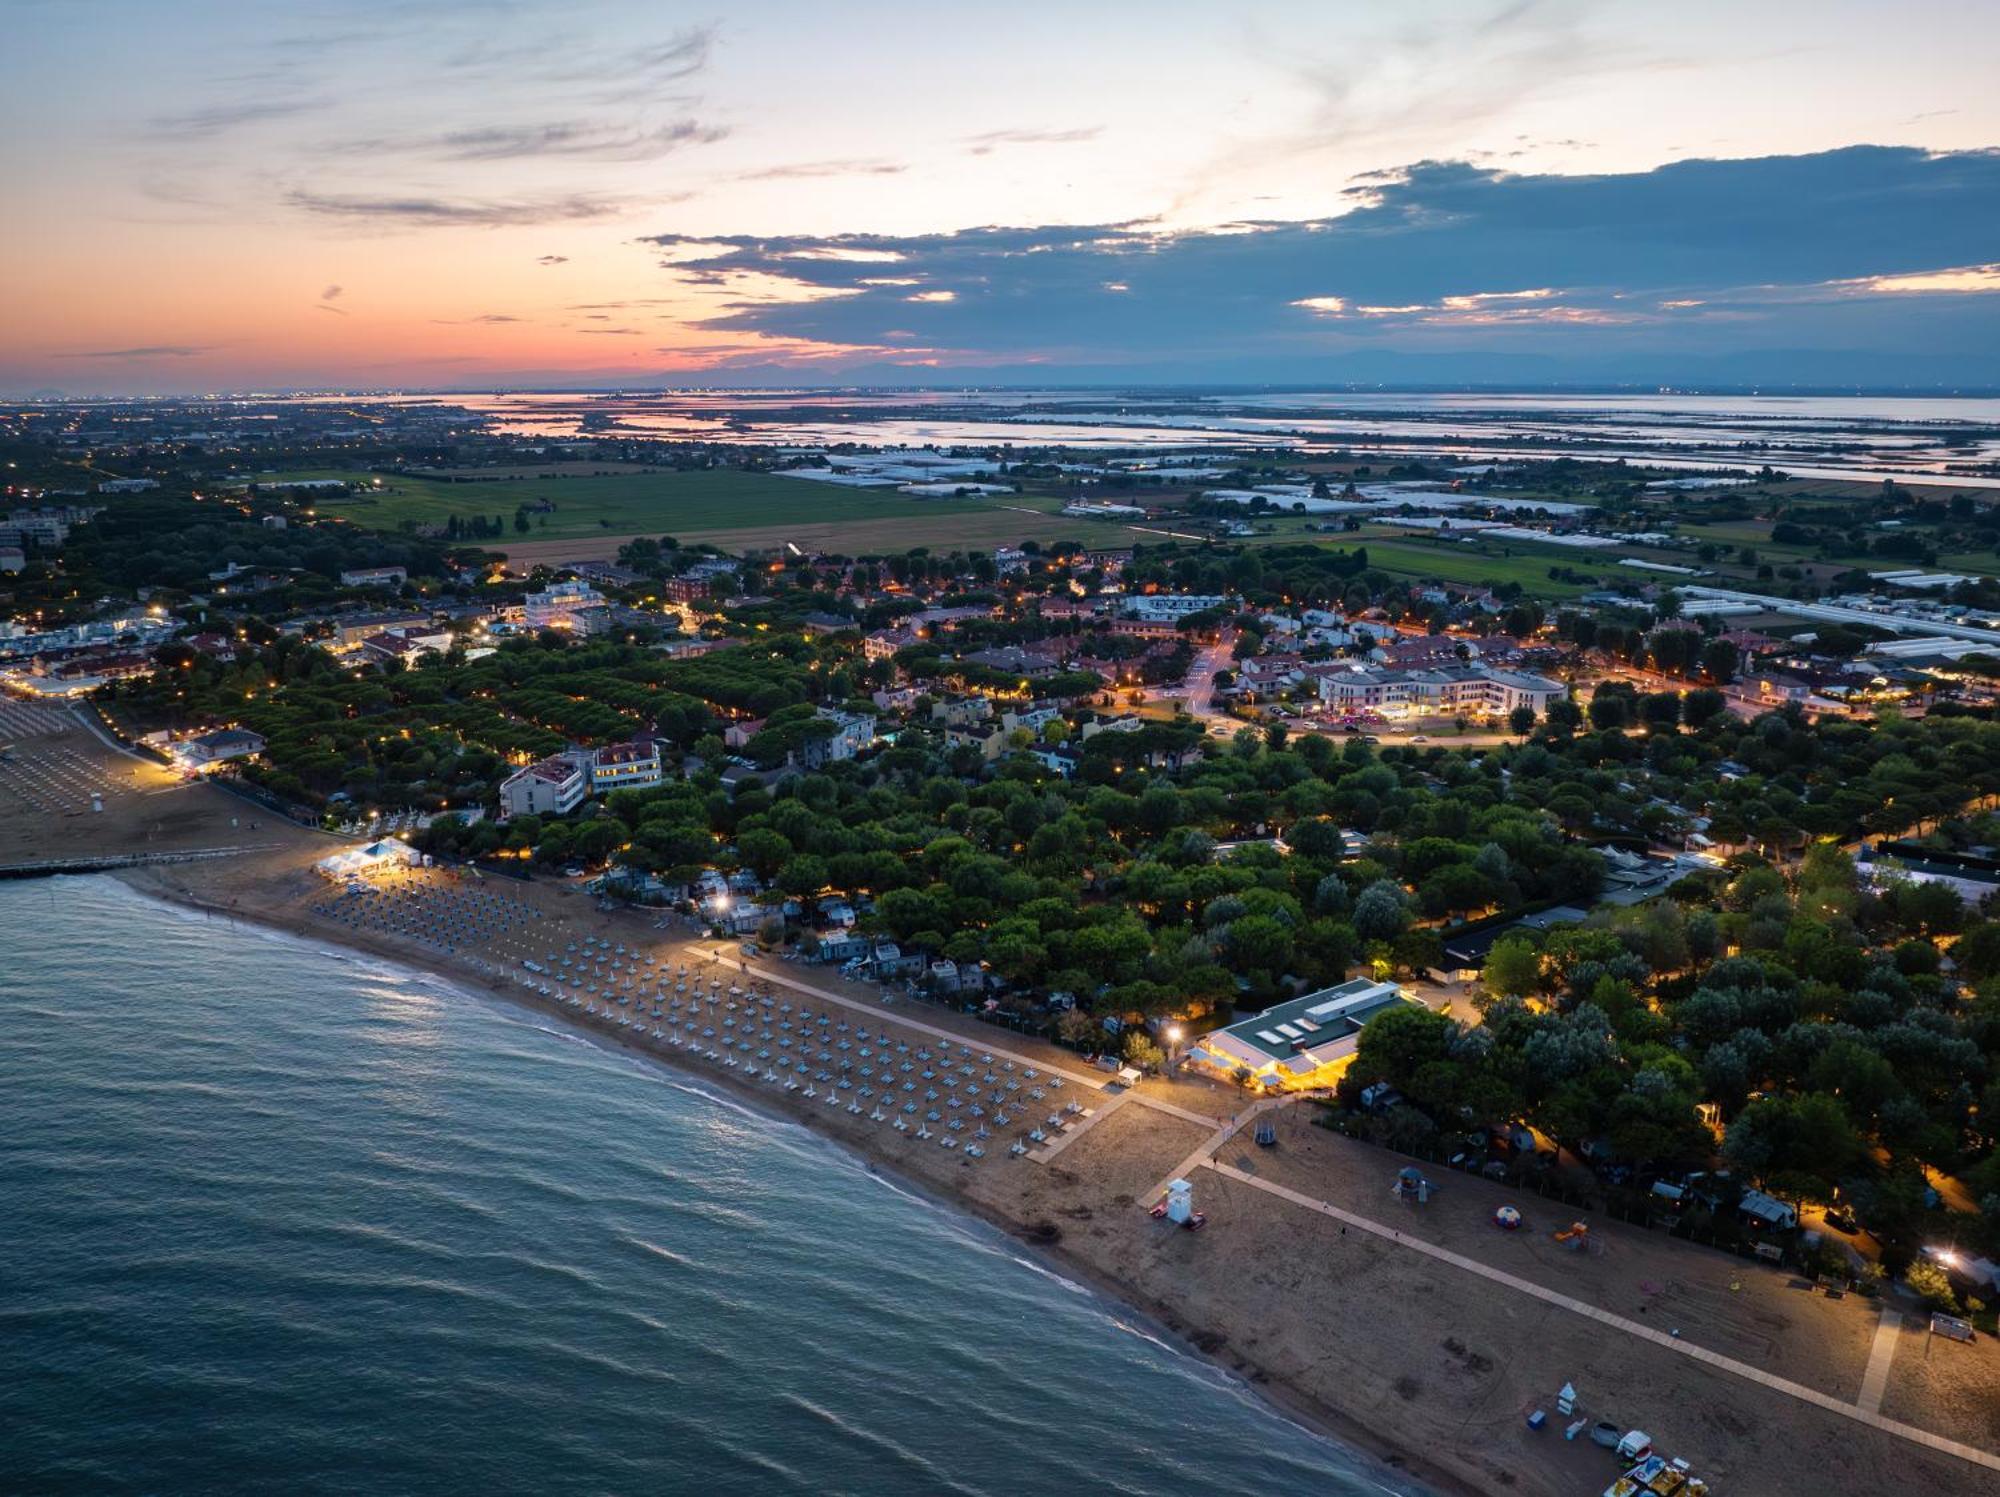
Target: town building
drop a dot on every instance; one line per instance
(625, 766)
(556, 606)
(1172, 606)
(375, 577)
(548, 787)
(351, 630)
(1455, 691)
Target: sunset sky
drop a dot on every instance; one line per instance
(466, 193)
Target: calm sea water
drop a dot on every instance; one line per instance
(277, 1220)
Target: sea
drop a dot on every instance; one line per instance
(276, 1218)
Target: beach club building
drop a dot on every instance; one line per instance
(1307, 1042)
(202, 754)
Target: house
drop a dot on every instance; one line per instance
(551, 786)
(882, 644)
(738, 735)
(1013, 661)
(851, 734)
(1307, 1042)
(820, 625)
(210, 749)
(1060, 761)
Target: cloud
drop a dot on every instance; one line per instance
(850, 167)
(320, 306)
(987, 142)
(607, 74)
(425, 212)
(219, 119)
(552, 259)
(483, 317)
(563, 139)
(1857, 248)
(332, 293)
(148, 351)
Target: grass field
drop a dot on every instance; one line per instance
(1395, 552)
(731, 509)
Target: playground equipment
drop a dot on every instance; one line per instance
(1575, 1237)
(1411, 1185)
(1267, 1133)
(1507, 1218)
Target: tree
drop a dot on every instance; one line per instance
(1800, 1147)
(1397, 1043)
(1513, 967)
(1702, 706)
(1932, 1285)
(763, 851)
(1382, 912)
(1142, 1052)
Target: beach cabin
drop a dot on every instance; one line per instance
(1307, 1042)
(840, 946)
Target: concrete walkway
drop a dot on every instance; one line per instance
(1214, 1142)
(1875, 1381)
(1078, 1127)
(1858, 1412)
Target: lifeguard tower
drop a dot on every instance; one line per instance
(1180, 1202)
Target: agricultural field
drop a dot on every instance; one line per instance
(731, 509)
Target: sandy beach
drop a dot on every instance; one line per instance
(1420, 1335)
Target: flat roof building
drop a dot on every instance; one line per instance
(1307, 1042)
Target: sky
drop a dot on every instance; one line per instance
(457, 194)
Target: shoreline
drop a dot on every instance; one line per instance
(1356, 1443)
